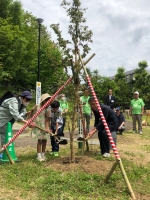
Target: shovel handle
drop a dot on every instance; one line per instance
(42, 129)
(47, 132)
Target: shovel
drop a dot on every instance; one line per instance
(63, 142)
(81, 139)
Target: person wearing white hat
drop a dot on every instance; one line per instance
(136, 111)
(42, 120)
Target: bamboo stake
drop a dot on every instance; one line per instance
(107, 129)
(9, 157)
(126, 179)
(85, 62)
(111, 171)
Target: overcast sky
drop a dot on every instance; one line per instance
(121, 30)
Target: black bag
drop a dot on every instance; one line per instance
(5, 96)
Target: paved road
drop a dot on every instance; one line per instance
(17, 127)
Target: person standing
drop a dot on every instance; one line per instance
(13, 109)
(136, 111)
(110, 100)
(86, 109)
(42, 120)
(56, 126)
(64, 106)
(111, 120)
(121, 121)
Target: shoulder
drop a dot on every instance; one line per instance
(59, 110)
(11, 100)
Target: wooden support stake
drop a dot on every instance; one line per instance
(111, 171)
(126, 180)
(9, 157)
(89, 58)
(118, 161)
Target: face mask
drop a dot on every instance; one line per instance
(26, 104)
(63, 98)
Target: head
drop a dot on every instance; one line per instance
(92, 103)
(63, 97)
(55, 105)
(117, 110)
(44, 98)
(136, 95)
(86, 92)
(109, 91)
(26, 97)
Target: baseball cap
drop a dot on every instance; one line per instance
(118, 108)
(26, 94)
(136, 92)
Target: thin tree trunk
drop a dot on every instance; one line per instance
(73, 126)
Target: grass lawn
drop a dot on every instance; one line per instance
(56, 179)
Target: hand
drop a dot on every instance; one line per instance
(90, 134)
(31, 125)
(56, 133)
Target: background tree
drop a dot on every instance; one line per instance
(18, 51)
(122, 89)
(141, 83)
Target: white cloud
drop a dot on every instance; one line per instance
(121, 30)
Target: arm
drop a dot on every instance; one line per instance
(130, 111)
(142, 110)
(56, 128)
(91, 133)
(47, 119)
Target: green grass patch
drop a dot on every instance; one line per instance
(32, 177)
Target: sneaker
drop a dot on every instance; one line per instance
(134, 131)
(1, 155)
(40, 159)
(44, 158)
(140, 132)
(106, 155)
(52, 153)
(55, 154)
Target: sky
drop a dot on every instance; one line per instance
(121, 30)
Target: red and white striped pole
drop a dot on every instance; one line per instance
(36, 114)
(100, 110)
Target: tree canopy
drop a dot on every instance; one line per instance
(19, 51)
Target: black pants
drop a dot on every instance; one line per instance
(55, 146)
(104, 141)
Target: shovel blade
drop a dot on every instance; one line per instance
(63, 142)
(81, 139)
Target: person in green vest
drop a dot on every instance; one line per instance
(86, 109)
(136, 111)
(64, 106)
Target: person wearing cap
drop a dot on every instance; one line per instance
(13, 109)
(136, 111)
(120, 120)
(43, 121)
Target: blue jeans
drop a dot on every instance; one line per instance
(55, 146)
(3, 134)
